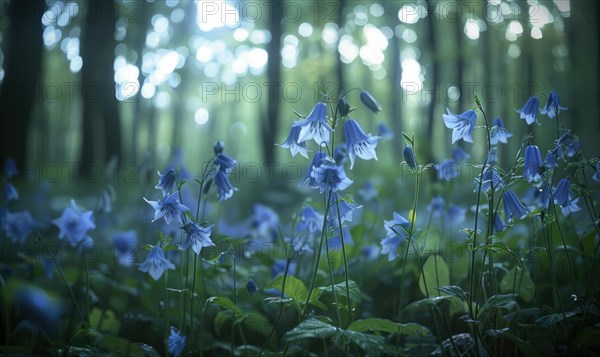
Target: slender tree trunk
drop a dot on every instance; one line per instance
(101, 120)
(140, 43)
(395, 97)
(23, 67)
(433, 54)
(341, 20)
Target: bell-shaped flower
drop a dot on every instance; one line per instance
(316, 162)
(176, 342)
(397, 231)
(530, 110)
(224, 187)
(358, 143)
(552, 107)
(292, 142)
(532, 165)
(462, 125)
(196, 237)
(498, 133)
(369, 101)
(74, 224)
(156, 263)
(168, 208)
(330, 176)
(562, 193)
(513, 208)
(315, 126)
(409, 156)
(166, 181)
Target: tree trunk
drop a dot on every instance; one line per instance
(23, 67)
(434, 70)
(101, 121)
(395, 98)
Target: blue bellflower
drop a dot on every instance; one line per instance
(168, 208)
(125, 245)
(316, 162)
(596, 176)
(492, 157)
(532, 166)
(11, 192)
(340, 153)
(335, 240)
(396, 233)
(346, 210)
(462, 125)
(384, 131)
(156, 263)
(369, 101)
(176, 342)
(251, 287)
(561, 193)
(552, 107)
(263, 221)
(166, 181)
(310, 221)
(447, 170)
(224, 162)
(530, 110)
(459, 155)
(36, 306)
(19, 225)
(196, 237)
(513, 208)
(292, 143)
(224, 187)
(499, 133)
(571, 207)
(490, 177)
(499, 224)
(358, 143)
(74, 224)
(329, 176)
(315, 126)
(409, 156)
(550, 161)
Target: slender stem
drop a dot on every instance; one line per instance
(346, 278)
(166, 312)
(281, 307)
(337, 306)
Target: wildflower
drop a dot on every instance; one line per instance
(264, 220)
(552, 107)
(490, 178)
(384, 132)
(492, 157)
(125, 246)
(19, 225)
(459, 155)
(462, 125)
(572, 148)
(596, 176)
(224, 187)
(346, 210)
(562, 194)
(168, 208)
(343, 107)
(532, 166)
(176, 342)
(11, 192)
(409, 156)
(550, 161)
(310, 221)
(329, 176)
(367, 99)
(335, 240)
(279, 268)
(224, 162)
(74, 224)
(37, 307)
(455, 215)
(358, 143)
(166, 181)
(447, 170)
(499, 224)
(513, 208)
(370, 252)
(529, 110)
(300, 243)
(251, 287)
(316, 162)
(156, 263)
(499, 133)
(396, 233)
(196, 237)
(436, 206)
(218, 147)
(570, 207)
(315, 126)
(292, 143)
(537, 197)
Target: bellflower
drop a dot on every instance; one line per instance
(462, 125)
(499, 224)
(396, 233)
(125, 244)
(529, 110)
(335, 240)
(279, 268)
(292, 143)
(310, 221)
(596, 176)
(499, 133)
(513, 208)
(74, 224)
(436, 206)
(367, 99)
(224, 187)
(330, 176)
(196, 237)
(343, 107)
(168, 208)
(156, 263)
(346, 210)
(316, 162)
(409, 156)
(251, 287)
(340, 153)
(537, 197)
(218, 147)
(447, 170)
(532, 166)
(490, 177)
(384, 131)
(459, 155)
(550, 161)
(224, 162)
(570, 207)
(166, 181)
(315, 126)
(492, 156)
(264, 220)
(552, 107)
(358, 143)
(19, 225)
(562, 194)
(176, 342)
(11, 192)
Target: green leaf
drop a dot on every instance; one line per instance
(225, 303)
(454, 291)
(500, 301)
(408, 138)
(365, 341)
(340, 290)
(501, 247)
(294, 287)
(385, 325)
(310, 328)
(435, 274)
(257, 323)
(415, 305)
(518, 281)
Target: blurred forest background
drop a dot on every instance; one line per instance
(146, 82)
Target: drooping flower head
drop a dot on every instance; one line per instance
(530, 110)
(224, 162)
(19, 225)
(11, 192)
(550, 161)
(490, 178)
(459, 155)
(498, 133)
(156, 263)
(532, 166)
(168, 208)
(125, 244)
(74, 224)
(552, 107)
(310, 221)
(513, 208)
(343, 107)
(358, 143)
(166, 181)
(315, 126)
(196, 237)
(571, 207)
(396, 233)
(224, 187)
(499, 224)
(264, 221)
(316, 162)
(218, 147)
(462, 125)
(335, 240)
(562, 193)
(292, 143)
(176, 342)
(330, 176)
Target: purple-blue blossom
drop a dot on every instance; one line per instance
(168, 208)
(74, 224)
(156, 263)
(358, 143)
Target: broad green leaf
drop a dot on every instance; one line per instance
(365, 341)
(257, 323)
(415, 305)
(454, 291)
(225, 303)
(294, 287)
(501, 247)
(310, 328)
(435, 274)
(340, 290)
(518, 281)
(500, 301)
(385, 325)
(104, 321)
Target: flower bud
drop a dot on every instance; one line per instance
(409, 156)
(218, 147)
(367, 99)
(343, 107)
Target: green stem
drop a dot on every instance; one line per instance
(346, 278)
